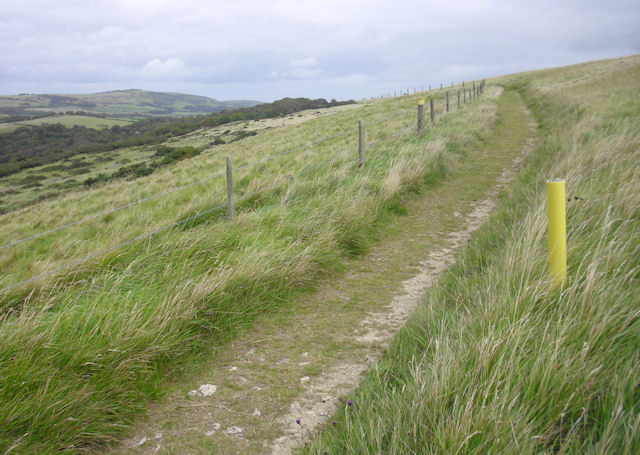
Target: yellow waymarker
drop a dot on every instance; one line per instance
(557, 231)
(421, 101)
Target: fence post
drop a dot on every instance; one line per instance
(230, 207)
(556, 206)
(432, 117)
(420, 116)
(474, 90)
(458, 99)
(447, 95)
(361, 142)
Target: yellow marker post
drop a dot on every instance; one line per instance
(556, 203)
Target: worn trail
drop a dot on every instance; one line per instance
(293, 370)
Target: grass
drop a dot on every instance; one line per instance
(53, 181)
(322, 323)
(69, 121)
(499, 361)
(83, 351)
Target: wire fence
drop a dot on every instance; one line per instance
(148, 235)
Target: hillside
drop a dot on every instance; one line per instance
(118, 103)
(34, 145)
(394, 299)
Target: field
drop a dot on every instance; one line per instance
(494, 361)
(67, 120)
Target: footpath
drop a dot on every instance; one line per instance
(266, 392)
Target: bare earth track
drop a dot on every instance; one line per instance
(292, 371)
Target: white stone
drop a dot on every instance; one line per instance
(234, 432)
(257, 413)
(206, 390)
(214, 428)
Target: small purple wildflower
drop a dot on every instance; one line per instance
(298, 421)
(334, 423)
(350, 403)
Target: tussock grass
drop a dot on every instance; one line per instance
(83, 351)
(497, 360)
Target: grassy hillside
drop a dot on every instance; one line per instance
(499, 361)
(85, 347)
(118, 103)
(50, 181)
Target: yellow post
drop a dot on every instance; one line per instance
(556, 203)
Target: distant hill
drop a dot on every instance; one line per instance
(118, 103)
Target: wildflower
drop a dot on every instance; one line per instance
(350, 403)
(298, 421)
(334, 423)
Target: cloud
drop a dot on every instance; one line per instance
(329, 48)
(157, 68)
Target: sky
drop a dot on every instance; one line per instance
(266, 50)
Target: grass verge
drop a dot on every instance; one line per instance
(498, 361)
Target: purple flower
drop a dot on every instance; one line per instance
(350, 403)
(334, 423)
(298, 421)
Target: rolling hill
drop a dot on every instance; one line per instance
(132, 103)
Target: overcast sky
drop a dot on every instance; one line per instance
(269, 49)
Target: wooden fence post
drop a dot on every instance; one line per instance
(458, 99)
(361, 142)
(447, 96)
(230, 208)
(420, 116)
(464, 95)
(433, 122)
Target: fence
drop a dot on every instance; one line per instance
(230, 202)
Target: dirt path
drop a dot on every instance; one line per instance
(266, 392)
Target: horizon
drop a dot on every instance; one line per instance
(434, 86)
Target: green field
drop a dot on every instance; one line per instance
(67, 120)
(495, 361)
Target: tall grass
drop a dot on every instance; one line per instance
(499, 361)
(82, 353)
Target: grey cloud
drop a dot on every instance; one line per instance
(266, 50)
